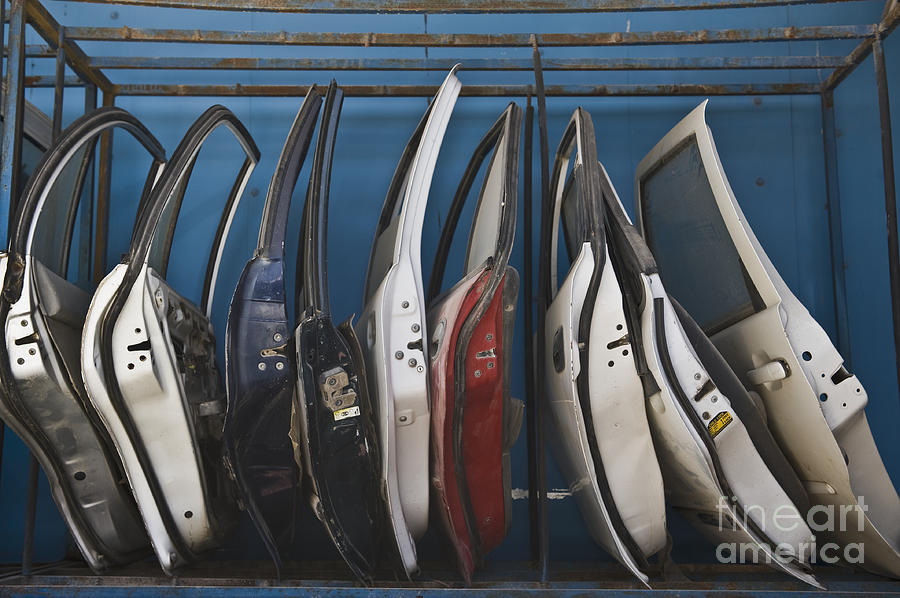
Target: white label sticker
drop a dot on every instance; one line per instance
(345, 413)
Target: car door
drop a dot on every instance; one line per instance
(259, 365)
(712, 263)
(474, 419)
(722, 468)
(393, 326)
(43, 309)
(334, 416)
(595, 379)
(149, 361)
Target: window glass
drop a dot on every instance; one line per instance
(696, 257)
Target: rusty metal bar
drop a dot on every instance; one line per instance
(36, 51)
(59, 87)
(528, 300)
(50, 81)
(14, 113)
(890, 196)
(466, 40)
(537, 362)
(457, 6)
(473, 90)
(469, 64)
(3, 48)
(836, 234)
(47, 27)
(888, 23)
(104, 183)
(30, 515)
(86, 209)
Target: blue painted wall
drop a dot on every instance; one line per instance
(771, 148)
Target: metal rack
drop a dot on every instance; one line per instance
(93, 74)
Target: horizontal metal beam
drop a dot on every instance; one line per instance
(462, 40)
(469, 64)
(35, 51)
(50, 81)
(472, 90)
(47, 27)
(457, 6)
(888, 23)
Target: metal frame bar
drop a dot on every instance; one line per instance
(471, 64)
(472, 40)
(458, 6)
(471, 90)
(89, 72)
(890, 195)
(832, 187)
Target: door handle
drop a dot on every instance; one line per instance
(772, 371)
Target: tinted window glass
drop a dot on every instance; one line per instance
(696, 257)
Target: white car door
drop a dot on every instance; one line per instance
(149, 364)
(602, 440)
(712, 263)
(392, 328)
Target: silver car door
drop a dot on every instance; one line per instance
(602, 441)
(43, 398)
(149, 363)
(393, 326)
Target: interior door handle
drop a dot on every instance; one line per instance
(772, 371)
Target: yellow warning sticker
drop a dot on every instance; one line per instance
(345, 413)
(718, 423)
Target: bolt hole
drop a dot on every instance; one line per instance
(143, 358)
(858, 390)
(137, 330)
(624, 351)
(806, 355)
(31, 351)
(80, 475)
(843, 404)
(823, 397)
(20, 361)
(24, 322)
(611, 363)
(706, 415)
(188, 514)
(130, 366)
(618, 327)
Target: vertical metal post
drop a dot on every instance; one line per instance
(544, 537)
(59, 86)
(833, 195)
(14, 111)
(2, 52)
(86, 227)
(530, 396)
(103, 190)
(890, 199)
(32, 491)
(30, 514)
